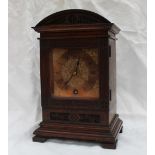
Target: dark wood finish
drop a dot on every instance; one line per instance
(92, 119)
(39, 139)
(121, 131)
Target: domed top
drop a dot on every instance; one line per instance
(73, 16)
(75, 20)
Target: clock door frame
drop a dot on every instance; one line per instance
(46, 48)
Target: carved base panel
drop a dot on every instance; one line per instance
(106, 135)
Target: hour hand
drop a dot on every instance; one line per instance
(77, 66)
(74, 72)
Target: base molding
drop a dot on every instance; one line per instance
(105, 135)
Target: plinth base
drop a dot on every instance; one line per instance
(105, 135)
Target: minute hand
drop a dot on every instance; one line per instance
(74, 72)
(77, 66)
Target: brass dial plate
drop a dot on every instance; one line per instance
(75, 73)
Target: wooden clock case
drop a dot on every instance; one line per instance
(89, 120)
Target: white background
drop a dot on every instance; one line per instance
(24, 80)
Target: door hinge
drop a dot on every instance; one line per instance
(110, 94)
(109, 51)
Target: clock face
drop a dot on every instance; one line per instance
(75, 73)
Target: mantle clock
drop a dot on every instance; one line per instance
(78, 78)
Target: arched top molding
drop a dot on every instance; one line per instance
(73, 16)
(75, 20)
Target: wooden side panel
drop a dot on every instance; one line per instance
(112, 79)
